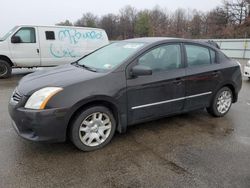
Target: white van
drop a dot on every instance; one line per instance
(43, 46)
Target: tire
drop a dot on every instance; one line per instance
(90, 130)
(221, 102)
(5, 69)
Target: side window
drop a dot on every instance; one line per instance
(162, 58)
(197, 55)
(50, 35)
(27, 35)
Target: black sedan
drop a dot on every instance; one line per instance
(122, 84)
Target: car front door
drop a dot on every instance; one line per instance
(25, 53)
(202, 75)
(161, 93)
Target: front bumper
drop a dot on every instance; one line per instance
(39, 125)
(247, 71)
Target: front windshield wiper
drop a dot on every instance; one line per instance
(84, 66)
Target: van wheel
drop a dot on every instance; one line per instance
(93, 128)
(221, 103)
(5, 69)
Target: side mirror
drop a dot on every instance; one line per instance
(16, 39)
(141, 70)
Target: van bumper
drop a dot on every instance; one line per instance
(247, 71)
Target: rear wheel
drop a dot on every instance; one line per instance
(93, 128)
(5, 69)
(221, 103)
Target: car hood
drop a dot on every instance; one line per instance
(61, 76)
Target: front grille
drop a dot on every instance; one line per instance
(16, 97)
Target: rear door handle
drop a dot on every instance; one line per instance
(37, 50)
(215, 73)
(178, 81)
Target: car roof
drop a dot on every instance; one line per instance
(153, 40)
(150, 39)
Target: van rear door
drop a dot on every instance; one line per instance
(25, 52)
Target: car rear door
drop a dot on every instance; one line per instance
(202, 75)
(161, 93)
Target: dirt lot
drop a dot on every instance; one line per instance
(189, 150)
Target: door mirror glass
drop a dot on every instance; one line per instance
(141, 70)
(15, 39)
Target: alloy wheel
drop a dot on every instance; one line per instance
(224, 101)
(95, 129)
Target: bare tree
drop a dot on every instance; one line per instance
(237, 10)
(179, 23)
(65, 23)
(127, 21)
(196, 24)
(109, 23)
(87, 20)
(160, 22)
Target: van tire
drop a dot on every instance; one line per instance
(5, 69)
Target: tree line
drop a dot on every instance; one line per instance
(230, 20)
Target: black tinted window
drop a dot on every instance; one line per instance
(163, 58)
(197, 55)
(27, 35)
(50, 35)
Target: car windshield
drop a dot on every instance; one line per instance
(8, 34)
(110, 56)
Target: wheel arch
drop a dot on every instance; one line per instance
(232, 87)
(97, 102)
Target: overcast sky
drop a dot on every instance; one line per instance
(49, 12)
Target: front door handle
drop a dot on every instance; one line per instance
(37, 50)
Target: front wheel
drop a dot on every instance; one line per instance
(93, 128)
(221, 103)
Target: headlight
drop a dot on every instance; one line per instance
(40, 98)
(248, 64)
